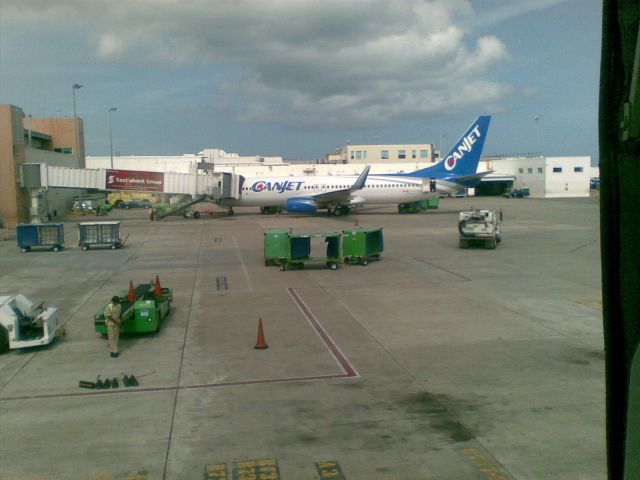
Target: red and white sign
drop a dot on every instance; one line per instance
(134, 180)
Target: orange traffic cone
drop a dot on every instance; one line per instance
(261, 344)
(132, 293)
(157, 289)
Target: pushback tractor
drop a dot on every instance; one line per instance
(479, 227)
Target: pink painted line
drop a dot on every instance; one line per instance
(341, 359)
(322, 333)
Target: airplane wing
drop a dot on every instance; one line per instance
(475, 176)
(343, 195)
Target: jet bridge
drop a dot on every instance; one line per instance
(217, 186)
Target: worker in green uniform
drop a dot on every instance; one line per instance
(113, 320)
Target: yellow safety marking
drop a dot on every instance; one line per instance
(139, 475)
(329, 471)
(216, 471)
(30, 477)
(101, 476)
(256, 470)
(486, 465)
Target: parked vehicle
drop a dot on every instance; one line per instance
(144, 203)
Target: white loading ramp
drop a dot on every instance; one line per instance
(216, 185)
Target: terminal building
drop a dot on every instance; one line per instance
(60, 142)
(54, 141)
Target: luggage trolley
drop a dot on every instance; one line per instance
(40, 235)
(99, 234)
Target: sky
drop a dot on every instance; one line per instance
(299, 78)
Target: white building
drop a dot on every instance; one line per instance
(187, 163)
(546, 177)
(374, 154)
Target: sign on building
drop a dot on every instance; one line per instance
(134, 180)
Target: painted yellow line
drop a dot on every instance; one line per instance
(216, 471)
(485, 464)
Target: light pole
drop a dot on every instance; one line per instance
(75, 119)
(111, 110)
(537, 119)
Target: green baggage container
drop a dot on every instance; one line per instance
(361, 244)
(277, 246)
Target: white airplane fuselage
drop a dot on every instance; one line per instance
(378, 190)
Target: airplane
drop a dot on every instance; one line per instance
(340, 193)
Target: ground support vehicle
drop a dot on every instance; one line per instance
(288, 249)
(182, 208)
(479, 227)
(142, 315)
(25, 324)
(360, 244)
(270, 210)
(415, 207)
(40, 235)
(518, 193)
(99, 234)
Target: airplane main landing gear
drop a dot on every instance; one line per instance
(340, 210)
(230, 212)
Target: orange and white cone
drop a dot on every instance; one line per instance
(261, 344)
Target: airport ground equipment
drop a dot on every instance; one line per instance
(522, 192)
(144, 314)
(99, 234)
(40, 235)
(415, 207)
(361, 244)
(481, 227)
(288, 249)
(182, 208)
(25, 324)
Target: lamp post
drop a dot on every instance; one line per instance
(537, 119)
(75, 119)
(111, 110)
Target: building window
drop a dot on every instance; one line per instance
(521, 170)
(539, 169)
(352, 155)
(557, 169)
(577, 169)
(364, 154)
(529, 170)
(65, 150)
(423, 154)
(359, 155)
(413, 154)
(402, 154)
(385, 155)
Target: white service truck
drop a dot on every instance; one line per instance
(25, 324)
(481, 227)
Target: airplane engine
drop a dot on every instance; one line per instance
(302, 205)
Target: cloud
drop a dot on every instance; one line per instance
(304, 63)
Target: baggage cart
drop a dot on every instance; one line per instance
(361, 244)
(99, 234)
(40, 235)
(287, 249)
(144, 314)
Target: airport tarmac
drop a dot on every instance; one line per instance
(434, 363)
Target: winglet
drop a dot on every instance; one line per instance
(359, 184)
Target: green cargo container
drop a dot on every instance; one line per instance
(277, 246)
(287, 249)
(142, 316)
(360, 244)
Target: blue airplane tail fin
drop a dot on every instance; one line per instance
(462, 160)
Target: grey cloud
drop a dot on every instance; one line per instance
(336, 62)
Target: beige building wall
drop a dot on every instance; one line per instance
(372, 154)
(14, 151)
